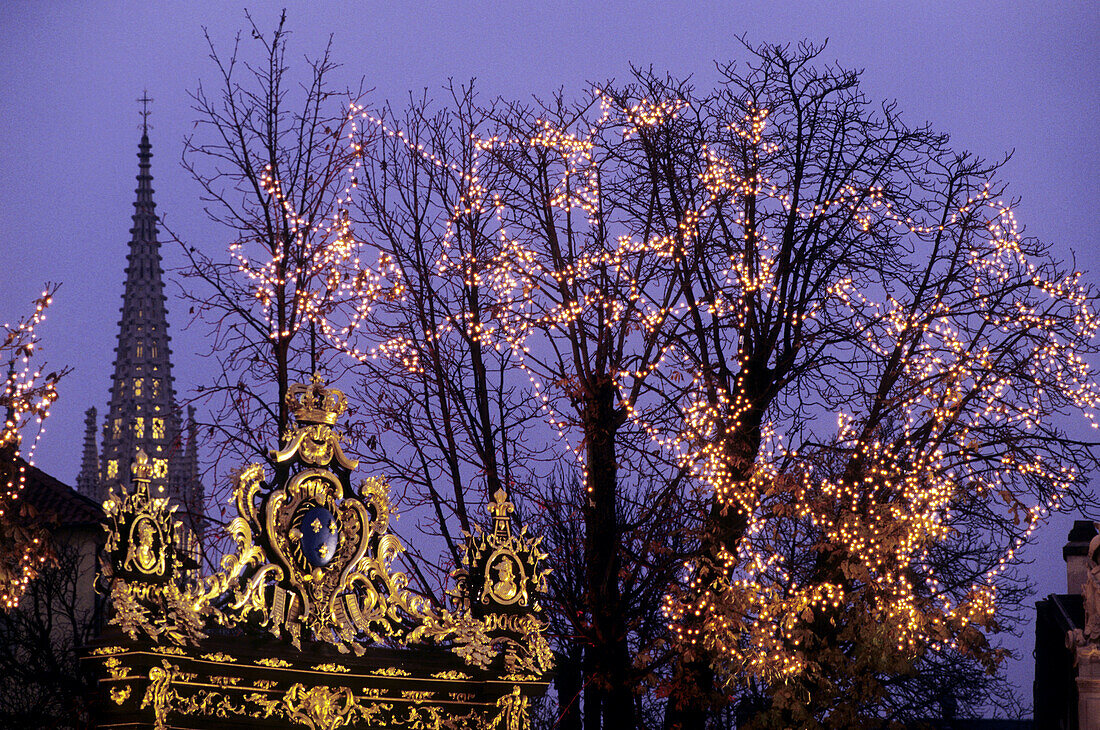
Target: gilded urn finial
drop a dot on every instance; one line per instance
(142, 470)
(500, 508)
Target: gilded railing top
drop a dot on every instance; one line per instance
(314, 562)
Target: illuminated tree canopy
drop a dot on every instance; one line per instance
(812, 333)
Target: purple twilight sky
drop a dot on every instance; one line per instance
(997, 76)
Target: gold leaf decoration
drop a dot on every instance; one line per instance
(175, 650)
(272, 662)
(331, 668)
(451, 674)
(107, 650)
(115, 668)
(219, 657)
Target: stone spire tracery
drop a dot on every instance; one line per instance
(142, 411)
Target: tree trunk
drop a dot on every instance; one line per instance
(593, 693)
(610, 660)
(568, 685)
(699, 696)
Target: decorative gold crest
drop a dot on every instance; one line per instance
(145, 566)
(498, 620)
(314, 554)
(142, 542)
(505, 580)
(505, 567)
(313, 561)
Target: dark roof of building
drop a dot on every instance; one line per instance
(59, 502)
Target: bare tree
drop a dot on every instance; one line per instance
(699, 285)
(427, 202)
(813, 376)
(584, 299)
(845, 265)
(449, 411)
(272, 159)
(441, 411)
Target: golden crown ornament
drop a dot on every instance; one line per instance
(313, 403)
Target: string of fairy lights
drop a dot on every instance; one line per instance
(955, 384)
(28, 396)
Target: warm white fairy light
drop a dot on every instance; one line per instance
(28, 395)
(758, 611)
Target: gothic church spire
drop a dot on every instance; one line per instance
(142, 412)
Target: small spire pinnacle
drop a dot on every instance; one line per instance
(87, 482)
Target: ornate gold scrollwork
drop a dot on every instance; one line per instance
(320, 707)
(313, 555)
(513, 711)
(314, 560)
(144, 562)
(272, 662)
(157, 693)
(497, 616)
(119, 695)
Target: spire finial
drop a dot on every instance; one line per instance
(145, 110)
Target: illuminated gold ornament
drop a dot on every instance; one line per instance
(322, 552)
(313, 561)
(513, 715)
(504, 581)
(146, 566)
(313, 564)
(498, 618)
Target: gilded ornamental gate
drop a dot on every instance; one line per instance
(306, 623)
